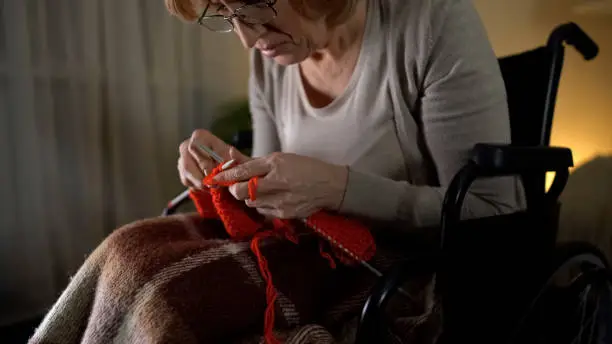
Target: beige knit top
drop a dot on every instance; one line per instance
(426, 88)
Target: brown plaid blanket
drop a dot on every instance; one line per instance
(179, 279)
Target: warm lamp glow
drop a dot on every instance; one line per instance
(594, 7)
(581, 152)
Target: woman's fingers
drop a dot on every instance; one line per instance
(195, 163)
(280, 213)
(244, 172)
(189, 172)
(203, 161)
(186, 180)
(241, 190)
(237, 156)
(208, 139)
(270, 212)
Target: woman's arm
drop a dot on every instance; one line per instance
(463, 102)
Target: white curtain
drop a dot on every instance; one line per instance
(95, 96)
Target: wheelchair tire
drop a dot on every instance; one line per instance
(574, 304)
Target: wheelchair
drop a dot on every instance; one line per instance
(506, 279)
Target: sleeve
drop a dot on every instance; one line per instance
(265, 134)
(463, 102)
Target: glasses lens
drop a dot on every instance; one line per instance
(256, 14)
(217, 24)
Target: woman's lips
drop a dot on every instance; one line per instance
(271, 50)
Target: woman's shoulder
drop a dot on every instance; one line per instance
(420, 12)
(421, 21)
(421, 32)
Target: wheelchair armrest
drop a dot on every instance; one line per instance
(495, 159)
(491, 160)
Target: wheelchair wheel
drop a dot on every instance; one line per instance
(574, 306)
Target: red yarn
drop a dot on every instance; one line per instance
(270, 290)
(253, 188)
(350, 240)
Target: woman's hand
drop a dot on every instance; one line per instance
(194, 163)
(290, 185)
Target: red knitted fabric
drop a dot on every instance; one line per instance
(350, 240)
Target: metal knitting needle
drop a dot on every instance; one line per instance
(379, 274)
(179, 198)
(210, 153)
(362, 262)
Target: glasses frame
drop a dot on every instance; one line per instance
(236, 14)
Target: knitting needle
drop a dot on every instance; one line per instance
(363, 262)
(178, 199)
(211, 153)
(379, 274)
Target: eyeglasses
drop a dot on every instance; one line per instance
(250, 14)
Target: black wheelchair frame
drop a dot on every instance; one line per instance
(479, 304)
(523, 260)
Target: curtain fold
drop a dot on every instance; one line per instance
(95, 97)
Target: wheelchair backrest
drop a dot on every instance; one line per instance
(527, 78)
(532, 81)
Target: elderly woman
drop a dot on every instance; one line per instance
(364, 108)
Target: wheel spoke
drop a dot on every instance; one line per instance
(569, 306)
(583, 305)
(596, 312)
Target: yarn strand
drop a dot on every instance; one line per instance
(350, 241)
(271, 292)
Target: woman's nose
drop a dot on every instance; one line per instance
(248, 34)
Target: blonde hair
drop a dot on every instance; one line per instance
(335, 11)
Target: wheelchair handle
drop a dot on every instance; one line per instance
(572, 34)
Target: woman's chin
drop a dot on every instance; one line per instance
(285, 58)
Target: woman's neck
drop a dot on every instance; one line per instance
(327, 72)
(343, 39)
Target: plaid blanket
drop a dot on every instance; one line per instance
(179, 279)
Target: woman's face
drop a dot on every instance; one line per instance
(288, 38)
